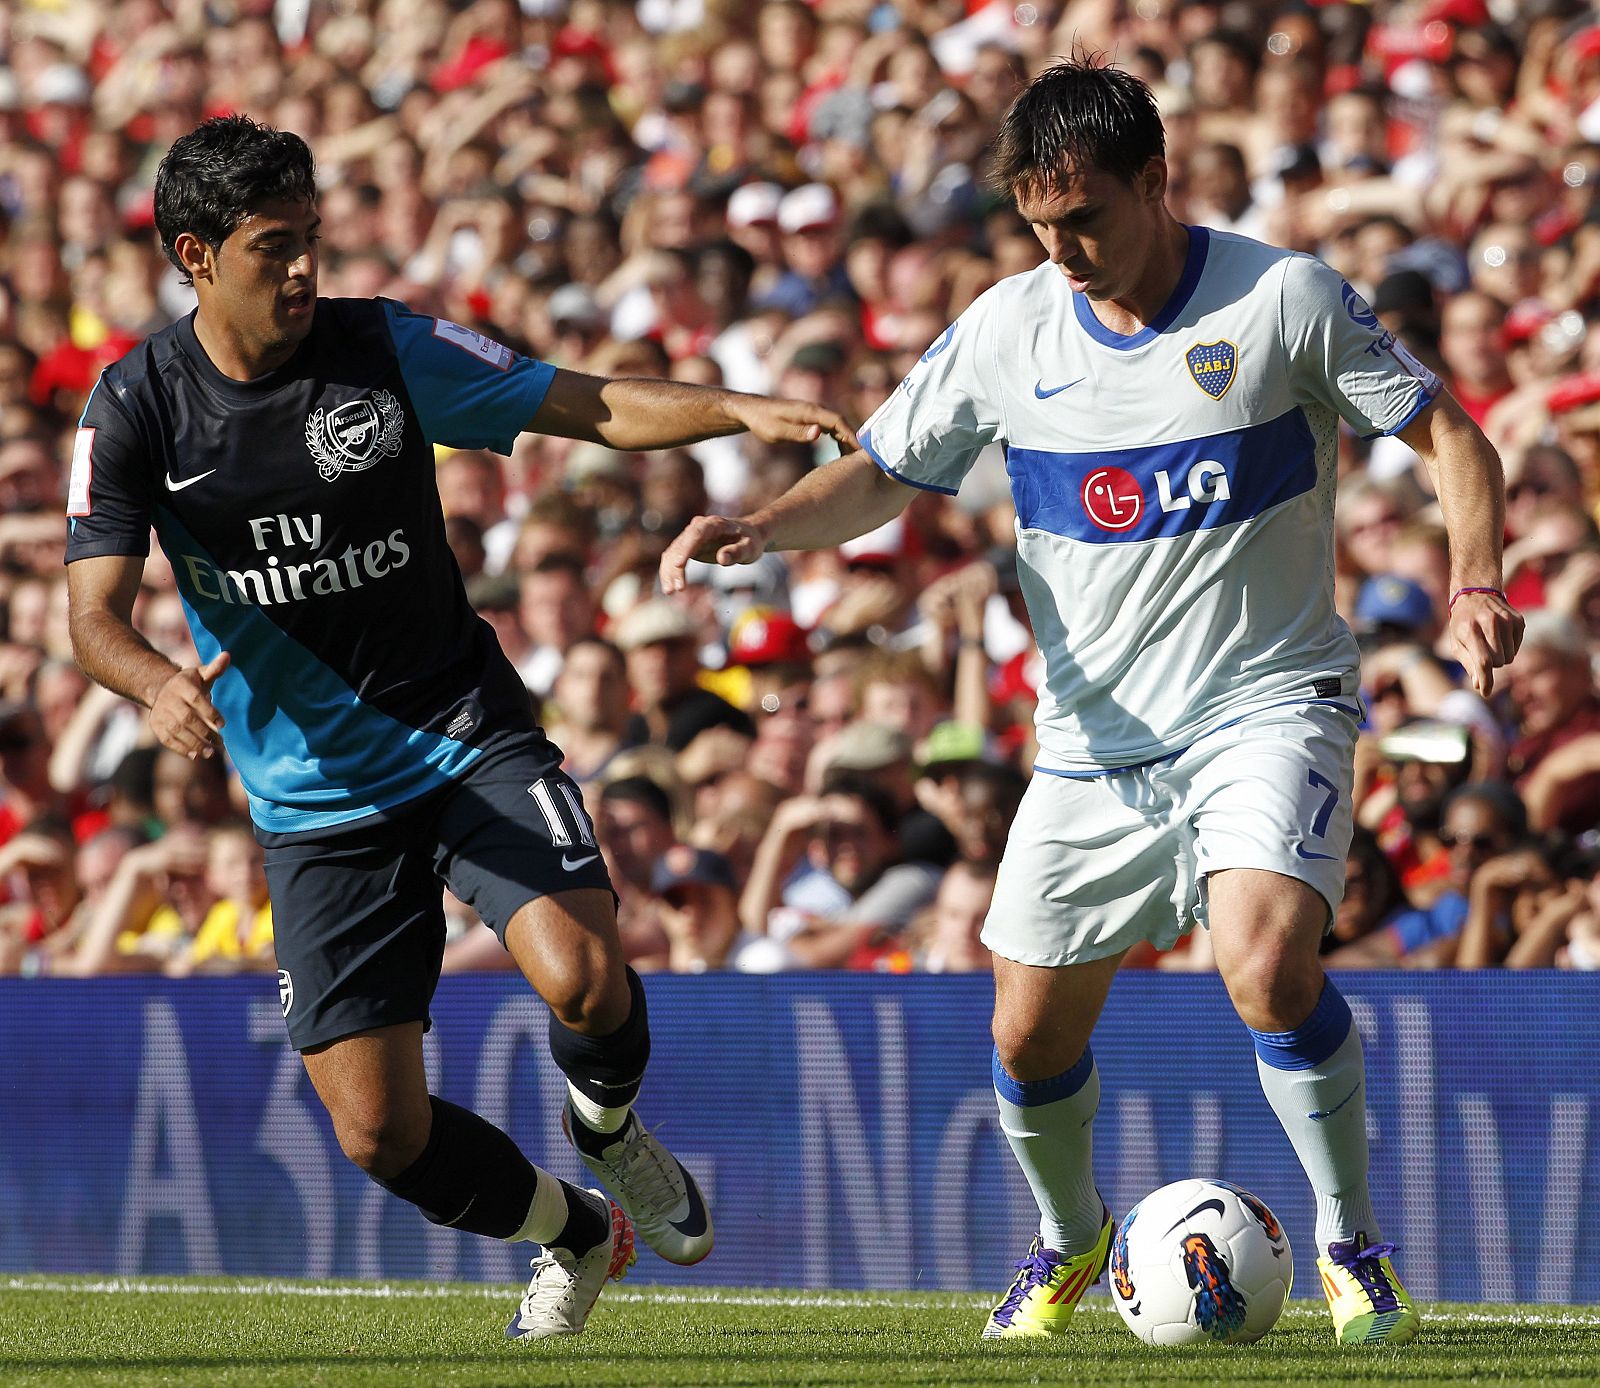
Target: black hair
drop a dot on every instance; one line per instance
(1501, 800)
(1077, 115)
(860, 785)
(641, 790)
(222, 171)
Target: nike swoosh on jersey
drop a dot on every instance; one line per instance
(1300, 848)
(187, 481)
(572, 866)
(1201, 1208)
(1329, 1112)
(693, 1224)
(1040, 393)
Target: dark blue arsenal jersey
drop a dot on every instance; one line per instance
(302, 520)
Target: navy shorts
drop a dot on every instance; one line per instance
(356, 911)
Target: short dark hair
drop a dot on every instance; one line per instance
(1080, 111)
(222, 171)
(859, 785)
(639, 790)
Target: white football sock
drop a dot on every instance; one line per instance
(1315, 1079)
(547, 1215)
(1050, 1126)
(593, 1116)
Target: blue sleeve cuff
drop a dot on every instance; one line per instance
(1423, 401)
(871, 452)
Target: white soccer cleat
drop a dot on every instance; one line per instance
(565, 1286)
(656, 1190)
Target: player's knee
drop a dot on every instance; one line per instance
(589, 998)
(1029, 1052)
(381, 1141)
(1274, 990)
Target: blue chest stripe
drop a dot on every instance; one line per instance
(1127, 495)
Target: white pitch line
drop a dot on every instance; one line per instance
(1577, 1318)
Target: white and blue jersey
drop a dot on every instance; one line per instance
(300, 514)
(1174, 488)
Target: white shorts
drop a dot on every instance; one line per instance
(1094, 866)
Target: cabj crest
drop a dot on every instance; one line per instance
(1213, 366)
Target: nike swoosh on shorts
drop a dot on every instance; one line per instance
(572, 866)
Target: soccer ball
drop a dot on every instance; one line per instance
(1197, 1261)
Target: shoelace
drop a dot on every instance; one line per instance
(1033, 1270)
(647, 1173)
(1366, 1265)
(545, 1291)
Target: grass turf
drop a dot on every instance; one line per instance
(66, 1331)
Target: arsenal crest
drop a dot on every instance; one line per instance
(1213, 366)
(353, 436)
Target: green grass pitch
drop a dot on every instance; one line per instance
(77, 1331)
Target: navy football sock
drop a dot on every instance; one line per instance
(606, 1070)
(469, 1176)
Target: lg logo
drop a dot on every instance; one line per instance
(1114, 500)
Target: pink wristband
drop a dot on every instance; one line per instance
(1459, 591)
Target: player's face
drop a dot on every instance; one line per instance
(1097, 229)
(263, 286)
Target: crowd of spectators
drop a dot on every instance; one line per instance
(812, 761)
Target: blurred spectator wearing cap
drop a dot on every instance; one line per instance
(699, 909)
(752, 218)
(1396, 627)
(808, 221)
(577, 322)
(1556, 754)
(660, 642)
(973, 796)
(1422, 762)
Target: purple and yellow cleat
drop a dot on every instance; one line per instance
(1048, 1288)
(1369, 1305)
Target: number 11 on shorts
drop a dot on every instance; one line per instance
(562, 827)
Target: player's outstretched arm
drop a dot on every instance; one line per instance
(637, 414)
(110, 651)
(824, 508)
(1470, 485)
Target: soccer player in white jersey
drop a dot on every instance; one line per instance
(1169, 401)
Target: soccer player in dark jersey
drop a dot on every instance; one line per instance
(282, 447)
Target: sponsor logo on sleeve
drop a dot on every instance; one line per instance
(476, 344)
(78, 500)
(941, 344)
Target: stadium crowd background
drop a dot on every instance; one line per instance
(813, 761)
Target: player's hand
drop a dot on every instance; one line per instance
(182, 715)
(1487, 631)
(791, 421)
(712, 540)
